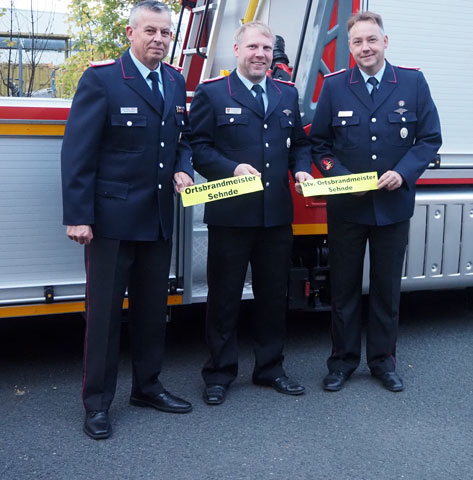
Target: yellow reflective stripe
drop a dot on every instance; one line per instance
(309, 229)
(31, 129)
(61, 307)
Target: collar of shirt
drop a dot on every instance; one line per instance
(145, 71)
(378, 76)
(249, 85)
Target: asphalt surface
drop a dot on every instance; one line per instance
(362, 432)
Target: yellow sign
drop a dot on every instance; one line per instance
(359, 182)
(219, 189)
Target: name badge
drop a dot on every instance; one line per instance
(233, 111)
(128, 109)
(345, 113)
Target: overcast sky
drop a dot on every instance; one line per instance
(46, 5)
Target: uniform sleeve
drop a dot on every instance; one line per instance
(80, 150)
(184, 150)
(428, 137)
(321, 137)
(208, 161)
(299, 155)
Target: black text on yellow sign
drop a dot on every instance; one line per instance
(360, 182)
(220, 189)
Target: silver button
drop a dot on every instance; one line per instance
(373, 120)
(290, 123)
(231, 120)
(182, 122)
(267, 165)
(403, 119)
(267, 184)
(162, 144)
(265, 126)
(374, 157)
(162, 123)
(344, 122)
(159, 186)
(129, 123)
(266, 145)
(373, 138)
(161, 165)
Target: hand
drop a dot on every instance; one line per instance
(301, 177)
(245, 169)
(80, 233)
(182, 180)
(390, 180)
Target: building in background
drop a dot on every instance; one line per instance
(32, 45)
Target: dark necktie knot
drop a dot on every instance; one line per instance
(154, 76)
(258, 89)
(374, 82)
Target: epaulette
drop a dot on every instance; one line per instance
(284, 81)
(179, 69)
(209, 80)
(408, 68)
(335, 73)
(102, 63)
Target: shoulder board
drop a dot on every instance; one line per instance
(179, 69)
(209, 80)
(102, 63)
(284, 81)
(335, 73)
(408, 68)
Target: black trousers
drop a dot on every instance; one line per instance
(347, 245)
(112, 266)
(268, 250)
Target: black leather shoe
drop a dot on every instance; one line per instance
(97, 425)
(165, 401)
(334, 381)
(282, 385)
(215, 394)
(391, 381)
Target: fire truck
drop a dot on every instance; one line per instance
(42, 272)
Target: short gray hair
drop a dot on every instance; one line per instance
(152, 5)
(257, 25)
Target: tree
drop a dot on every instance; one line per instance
(101, 26)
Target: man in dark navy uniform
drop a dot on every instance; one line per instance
(373, 117)
(123, 149)
(247, 123)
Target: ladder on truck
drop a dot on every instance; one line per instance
(199, 45)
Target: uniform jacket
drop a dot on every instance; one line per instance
(399, 131)
(120, 152)
(228, 129)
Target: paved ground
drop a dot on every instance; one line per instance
(362, 432)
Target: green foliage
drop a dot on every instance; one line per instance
(101, 26)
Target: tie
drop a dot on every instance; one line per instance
(258, 89)
(373, 82)
(157, 94)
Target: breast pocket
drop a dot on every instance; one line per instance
(232, 130)
(346, 131)
(402, 128)
(129, 132)
(287, 122)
